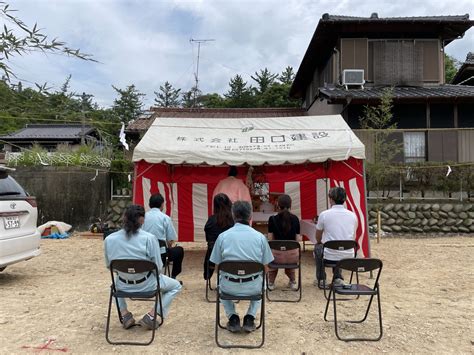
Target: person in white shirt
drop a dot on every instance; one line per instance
(336, 223)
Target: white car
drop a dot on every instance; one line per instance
(19, 239)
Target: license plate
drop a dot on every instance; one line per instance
(11, 222)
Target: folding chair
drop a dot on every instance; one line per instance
(336, 245)
(132, 266)
(167, 262)
(208, 280)
(286, 245)
(240, 269)
(357, 265)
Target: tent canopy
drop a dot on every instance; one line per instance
(255, 141)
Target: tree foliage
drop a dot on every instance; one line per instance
(128, 105)
(168, 96)
(17, 39)
(451, 67)
(264, 80)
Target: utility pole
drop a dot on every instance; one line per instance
(196, 74)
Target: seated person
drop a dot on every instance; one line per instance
(233, 187)
(219, 222)
(131, 242)
(284, 226)
(160, 225)
(336, 223)
(241, 243)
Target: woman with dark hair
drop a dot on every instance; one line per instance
(131, 242)
(219, 222)
(284, 226)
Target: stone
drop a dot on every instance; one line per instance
(426, 207)
(416, 221)
(383, 215)
(467, 207)
(386, 228)
(396, 228)
(372, 221)
(459, 222)
(390, 221)
(417, 229)
(435, 207)
(458, 208)
(471, 214)
(471, 227)
(413, 208)
(435, 228)
(467, 222)
(435, 215)
(447, 207)
(443, 214)
(432, 222)
(427, 214)
(408, 222)
(454, 229)
(463, 229)
(411, 215)
(405, 228)
(402, 215)
(424, 222)
(392, 214)
(452, 215)
(373, 214)
(400, 221)
(420, 214)
(406, 207)
(446, 229)
(398, 207)
(122, 204)
(426, 229)
(117, 209)
(116, 219)
(388, 207)
(462, 215)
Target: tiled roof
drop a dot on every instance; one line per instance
(442, 92)
(465, 74)
(333, 27)
(470, 58)
(49, 131)
(143, 122)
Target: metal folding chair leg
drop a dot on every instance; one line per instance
(299, 290)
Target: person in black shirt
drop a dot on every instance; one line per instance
(219, 222)
(284, 226)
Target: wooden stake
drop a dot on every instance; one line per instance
(379, 226)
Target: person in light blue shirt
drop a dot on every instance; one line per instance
(131, 242)
(241, 243)
(160, 225)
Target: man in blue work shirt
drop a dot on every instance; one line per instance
(131, 242)
(160, 225)
(242, 243)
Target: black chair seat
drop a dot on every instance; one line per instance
(356, 289)
(125, 294)
(283, 266)
(227, 296)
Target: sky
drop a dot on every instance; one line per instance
(147, 42)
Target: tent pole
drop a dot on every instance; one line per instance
(367, 216)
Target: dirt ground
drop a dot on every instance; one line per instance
(59, 301)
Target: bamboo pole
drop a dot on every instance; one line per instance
(379, 226)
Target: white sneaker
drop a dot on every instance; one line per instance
(293, 285)
(271, 286)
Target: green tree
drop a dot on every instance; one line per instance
(128, 105)
(287, 76)
(451, 67)
(17, 38)
(277, 95)
(379, 119)
(213, 100)
(191, 98)
(168, 96)
(264, 79)
(239, 94)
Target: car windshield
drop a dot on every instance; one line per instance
(9, 187)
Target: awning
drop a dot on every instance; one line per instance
(255, 141)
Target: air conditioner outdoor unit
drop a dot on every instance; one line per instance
(353, 77)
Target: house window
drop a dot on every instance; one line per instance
(414, 146)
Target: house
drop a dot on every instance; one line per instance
(465, 74)
(49, 136)
(350, 60)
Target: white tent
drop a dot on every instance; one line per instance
(255, 141)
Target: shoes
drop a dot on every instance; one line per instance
(249, 323)
(271, 286)
(128, 321)
(339, 283)
(293, 285)
(147, 322)
(233, 325)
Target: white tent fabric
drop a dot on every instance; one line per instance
(255, 141)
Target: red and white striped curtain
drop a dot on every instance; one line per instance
(188, 191)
